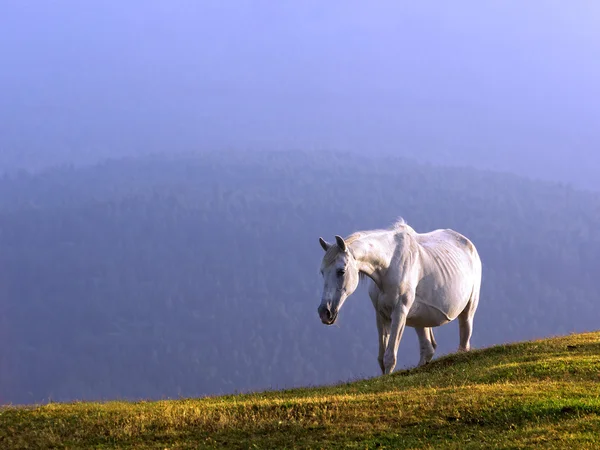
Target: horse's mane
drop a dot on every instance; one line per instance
(399, 225)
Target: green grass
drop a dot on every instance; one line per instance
(541, 394)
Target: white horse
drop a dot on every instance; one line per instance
(420, 280)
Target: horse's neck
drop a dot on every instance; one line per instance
(373, 253)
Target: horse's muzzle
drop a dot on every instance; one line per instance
(327, 316)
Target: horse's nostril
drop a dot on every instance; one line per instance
(325, 312)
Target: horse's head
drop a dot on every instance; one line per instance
(340, 277)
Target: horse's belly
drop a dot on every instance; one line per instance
(448, 301)
(423, 315)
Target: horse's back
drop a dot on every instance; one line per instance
(450, 247)
(447, 238)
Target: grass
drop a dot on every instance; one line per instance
(540, 394)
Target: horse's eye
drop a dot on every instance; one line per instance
(341, 272)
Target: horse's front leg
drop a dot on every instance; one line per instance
(399, 314)
(426, 345)
(383, 329)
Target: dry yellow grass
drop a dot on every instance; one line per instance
(542, 394)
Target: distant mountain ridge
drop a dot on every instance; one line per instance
(578, 170)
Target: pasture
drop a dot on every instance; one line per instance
(542, 394)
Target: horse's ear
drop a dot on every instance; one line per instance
(324, 244)
(340, 242)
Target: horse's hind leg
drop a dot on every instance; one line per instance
(465, 323)
(427, 344)
(432, 338)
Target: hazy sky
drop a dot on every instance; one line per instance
(499, 81)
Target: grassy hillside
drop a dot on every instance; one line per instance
(543, 394)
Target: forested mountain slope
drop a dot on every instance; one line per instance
(198, 274)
